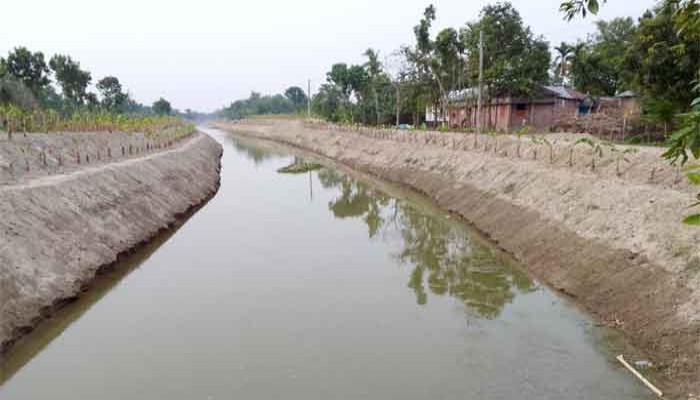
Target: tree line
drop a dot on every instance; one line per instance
(30, 81)
(651, 56)
(294, 100)
(399, 87)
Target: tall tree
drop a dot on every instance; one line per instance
(29, 68)
(663, 63)
(436, 60)
(598, 64)
(516, 61)
(329, 102)
(563, 56)
(376, 79)
(162, 107)
(296, 95)
(72, 80)
(113, 96)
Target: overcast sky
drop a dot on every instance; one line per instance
(203, 54)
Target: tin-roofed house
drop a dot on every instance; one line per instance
(510, 113)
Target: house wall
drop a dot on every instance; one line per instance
(630, 106)
(503, 114)
(495, 116)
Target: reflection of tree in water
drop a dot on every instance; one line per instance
(252, 152)
(355, 200)
(445, 258)
(299, 166)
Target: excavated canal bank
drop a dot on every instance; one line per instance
(609, 238)
(58, 232)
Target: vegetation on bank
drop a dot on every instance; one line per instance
(294, 100)
(14, 119)
(40, 95)
(671, 36)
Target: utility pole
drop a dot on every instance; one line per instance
(481, 80)
(398, 104)
(308, 101)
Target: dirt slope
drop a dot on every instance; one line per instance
(609, 238)
(57, 231)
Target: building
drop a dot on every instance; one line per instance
(510, 113)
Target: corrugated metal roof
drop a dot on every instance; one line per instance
(558, 91)
(627, 93)
(565, 93)
(460, 95)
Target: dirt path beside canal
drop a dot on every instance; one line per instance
(610, 238)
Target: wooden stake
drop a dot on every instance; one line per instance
(639, 376)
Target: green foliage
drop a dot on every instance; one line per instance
(357, 93)
(686, 140)
(13, 91)
(661, 62)
(329, 103)
(516, 61)
(597, 64)
(28, 68)
(257, 104)
(563, 57)
(162, 107)
(660, 111)
(621, 155)
(296, 95)
(572, 8)
(693, 173)
(597, 149)
(25, 83)
(15, 119)
(72, 80)
(113, 97)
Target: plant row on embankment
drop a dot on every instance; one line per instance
(14, 119)
(54, 96)
(42, 154)
(580, 153)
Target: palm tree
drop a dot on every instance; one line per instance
(564, 52)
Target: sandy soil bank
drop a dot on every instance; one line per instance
(610, 238)
(58, 231)
(32, 155)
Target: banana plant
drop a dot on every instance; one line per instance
(536, 141)
(621, 155)
(550, 146)
(597, 150)
(525, 129)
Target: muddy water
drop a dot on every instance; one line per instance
(316, 285)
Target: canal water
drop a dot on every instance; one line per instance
(316, 285)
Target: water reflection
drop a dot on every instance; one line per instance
(254, 153)
(445, 258)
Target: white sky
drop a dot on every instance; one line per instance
(204, 54)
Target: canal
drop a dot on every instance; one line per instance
(316, 284)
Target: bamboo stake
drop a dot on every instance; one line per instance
(648, 384)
